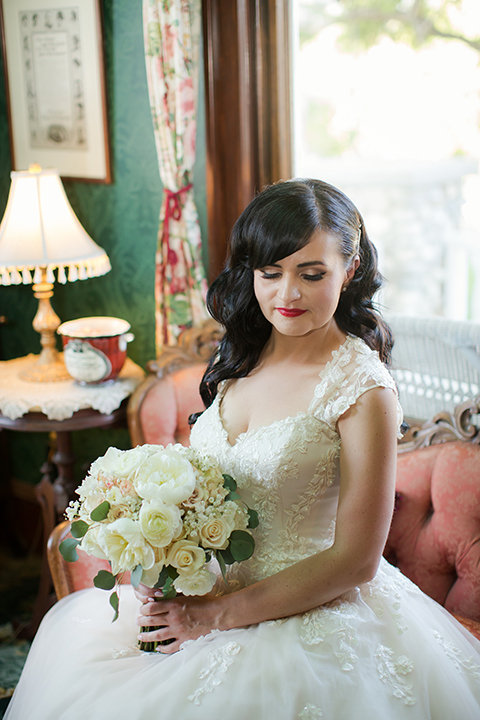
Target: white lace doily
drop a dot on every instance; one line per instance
(59, 400)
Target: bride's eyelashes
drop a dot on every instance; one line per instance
(314, 278)
(276, 275)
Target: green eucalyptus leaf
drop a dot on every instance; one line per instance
(79, 528)
(101, 511)
(104, 580)
(229, 483)
(168, 589)
(68, 549)
(222, 564)
(253, 518)
(162, 578)
(114, 604)
(233, 496)
(136, 575)
(242, 545)
(226, 555)
(173, 572)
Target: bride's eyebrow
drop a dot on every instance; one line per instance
(311, 263)
(300, 266)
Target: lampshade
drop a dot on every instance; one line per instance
(40, 230)
(39, 234)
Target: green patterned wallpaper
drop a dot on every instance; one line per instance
(122, 218)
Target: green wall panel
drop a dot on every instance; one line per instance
(121, 217)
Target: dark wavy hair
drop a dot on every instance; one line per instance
(278, 222)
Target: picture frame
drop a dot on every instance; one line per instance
(55, 87)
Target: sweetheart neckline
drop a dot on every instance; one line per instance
(301, 413)
(252, 431)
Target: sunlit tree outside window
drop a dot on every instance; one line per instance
(387, 107)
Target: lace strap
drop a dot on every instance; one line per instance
(356, 370)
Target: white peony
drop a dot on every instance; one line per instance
(160, 523)
(199, 584)
(125, 546)
(216, 531)
(119, 463)
(92, 542)
(186, 556)
(166, 475)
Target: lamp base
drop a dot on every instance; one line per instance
(49, 365)
(40, 371)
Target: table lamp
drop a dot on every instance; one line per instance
(40, 233)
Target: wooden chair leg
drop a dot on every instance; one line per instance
(45, 597)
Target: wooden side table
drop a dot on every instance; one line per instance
(60, 408)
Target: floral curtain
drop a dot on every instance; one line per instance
(172, 37)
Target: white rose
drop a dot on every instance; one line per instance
(165, 475)
(125, 546)
(160, 523)
(91, 501)
(216, 531)
(199, 584)
(92, 541)
(186, 556)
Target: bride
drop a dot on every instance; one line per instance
(302, 411)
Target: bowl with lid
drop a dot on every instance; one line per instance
(95, 348)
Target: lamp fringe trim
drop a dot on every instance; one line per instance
(77, 270)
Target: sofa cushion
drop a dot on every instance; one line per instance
(435, 534)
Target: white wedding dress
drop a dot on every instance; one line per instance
(383, 651)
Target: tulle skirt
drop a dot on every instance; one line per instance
(384, 651)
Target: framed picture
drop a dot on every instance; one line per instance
(55, 81)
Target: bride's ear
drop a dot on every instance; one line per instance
(352, 269)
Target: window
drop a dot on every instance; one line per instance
(387, 108)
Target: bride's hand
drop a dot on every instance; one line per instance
(144, 593)
(182, 618)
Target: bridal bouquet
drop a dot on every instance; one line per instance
(160, 513)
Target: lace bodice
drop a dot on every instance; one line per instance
(289, 470)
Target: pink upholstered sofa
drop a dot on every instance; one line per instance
(435, 533)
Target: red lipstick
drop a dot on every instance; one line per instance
(290, 312)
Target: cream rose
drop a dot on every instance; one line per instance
(215, 532)
(166, 475)
(198, 496)
(119, 511)
(199, 584)
(160, 523)
(186, 556)
(125, 546)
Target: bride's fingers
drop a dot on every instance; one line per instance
(143, 596)
(153, 608)
(158, 635)
(170, 648)
(151, 620)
